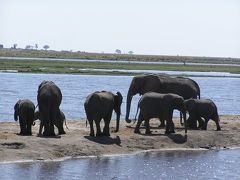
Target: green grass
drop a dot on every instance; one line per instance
(127, 57)
(72, 67)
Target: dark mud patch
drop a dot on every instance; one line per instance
(14, 145)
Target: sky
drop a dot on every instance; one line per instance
(151, 27)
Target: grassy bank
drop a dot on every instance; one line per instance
(103, 56)
(73, 67)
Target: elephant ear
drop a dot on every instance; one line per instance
(16, 110)
(118, 100)
(120, 97)
(16, 106)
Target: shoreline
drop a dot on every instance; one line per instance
(118, 155)
(77, 144)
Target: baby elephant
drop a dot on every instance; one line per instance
(156, 105)
(100, 105)
(204, 108)
(24, 109)
(58, 122)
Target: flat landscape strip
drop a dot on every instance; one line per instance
(73, 67)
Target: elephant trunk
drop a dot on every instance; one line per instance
(117, 122)
(15, 115)
(129, 100)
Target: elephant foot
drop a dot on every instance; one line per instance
(106, 134)
(137, 131)
(62, 132)
(161, 125)
(99, 134)
(169, 132)
(91, 134)
(49, 134)
(148, 132)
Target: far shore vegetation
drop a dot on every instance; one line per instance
(73, 67)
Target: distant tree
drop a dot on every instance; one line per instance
(28, 47)
(1, 46)
(118, 51)
(36, 46)
(130, 52)
(14, 46)
(46, 47)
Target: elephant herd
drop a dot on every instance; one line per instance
(161, 94)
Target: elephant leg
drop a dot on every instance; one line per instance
(192, 122)
(147, 126)
(45, 121)
(200, 122)
(40, 128)
(97, 122)
(217, 124)
(60, 129)
(53, 116)
(91, 127)
(140, 119)
(205, 124)
(162, 122)
(59, 124)
(106, 126)
(29, 127)
(169, 125)
(22, 126)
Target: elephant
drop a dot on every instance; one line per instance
(161, 83)
(204, 108)
(24, 109)
(100, 105)
(49, 99)
(157, 105)
(58, 123)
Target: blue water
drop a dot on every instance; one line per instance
(75, 88)
(169, 165)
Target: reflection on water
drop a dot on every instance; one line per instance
(169, 165)
(75, 88)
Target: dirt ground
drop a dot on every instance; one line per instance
(78, 143)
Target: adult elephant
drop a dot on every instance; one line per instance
(156, 105)
(59, 121)
(202, 108)
(49, 99)
(161, 83)
(24, 110)
(100, 105)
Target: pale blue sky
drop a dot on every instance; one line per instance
(158, 27)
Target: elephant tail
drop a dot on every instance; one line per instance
(135, 119)
(66, 124)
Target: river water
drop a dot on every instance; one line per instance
(197, 165)
(168, 165)
(223, 91)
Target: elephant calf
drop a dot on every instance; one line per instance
(24, 109)
(156, 105)
(100, 105)
(58, 122)
(204, 108)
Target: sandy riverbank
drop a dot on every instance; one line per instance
(77, 141)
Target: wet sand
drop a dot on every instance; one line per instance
(78, 143)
